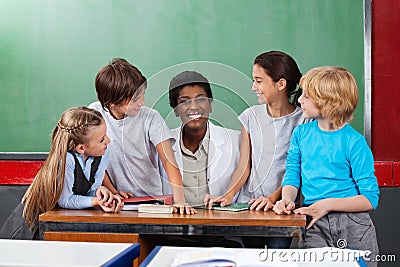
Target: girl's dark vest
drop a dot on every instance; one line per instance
(81, 184)
(16, 228)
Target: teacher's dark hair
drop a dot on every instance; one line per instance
(186, 78)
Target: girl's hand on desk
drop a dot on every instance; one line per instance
(184, 208)
(104, 196)
(108, 208)
(119, 205)
(224, 200)
(261, 203)
(116, 205)
(283, 206)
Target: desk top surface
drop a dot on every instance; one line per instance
(55, 253)
(210, 217)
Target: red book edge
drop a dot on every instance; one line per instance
(167, 199)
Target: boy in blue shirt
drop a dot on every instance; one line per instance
(333, 165)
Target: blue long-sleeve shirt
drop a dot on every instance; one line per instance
(68, 199)
(336, 164)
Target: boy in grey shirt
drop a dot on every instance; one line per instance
(138, 134)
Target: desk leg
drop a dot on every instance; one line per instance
(299, 234)
(147, 244)
(95, 237)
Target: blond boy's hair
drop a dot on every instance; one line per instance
(334, 91)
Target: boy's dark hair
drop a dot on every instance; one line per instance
(183, 79)
(117, 82)
(279, 65)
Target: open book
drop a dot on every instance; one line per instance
(201, 257)
(204, 258)
(132, 203)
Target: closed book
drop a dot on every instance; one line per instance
(132, 203)
(232, 207)
(155, 208)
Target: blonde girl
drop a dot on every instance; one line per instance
(70, 177)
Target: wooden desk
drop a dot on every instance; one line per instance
(53, 253)
(126, 226)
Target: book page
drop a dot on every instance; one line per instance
(204, 258)
(240, 257)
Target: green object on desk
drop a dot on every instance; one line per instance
(231, 207)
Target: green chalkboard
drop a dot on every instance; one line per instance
(50, 52)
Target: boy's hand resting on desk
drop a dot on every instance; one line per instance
(123, 194)
(224, 200)
(183, 208)
(261, 203)
(316, 211)
(283, 206)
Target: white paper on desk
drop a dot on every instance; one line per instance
(273, 257)
(218, 257)
(251, 258)
(326, 256)
(204, 258)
